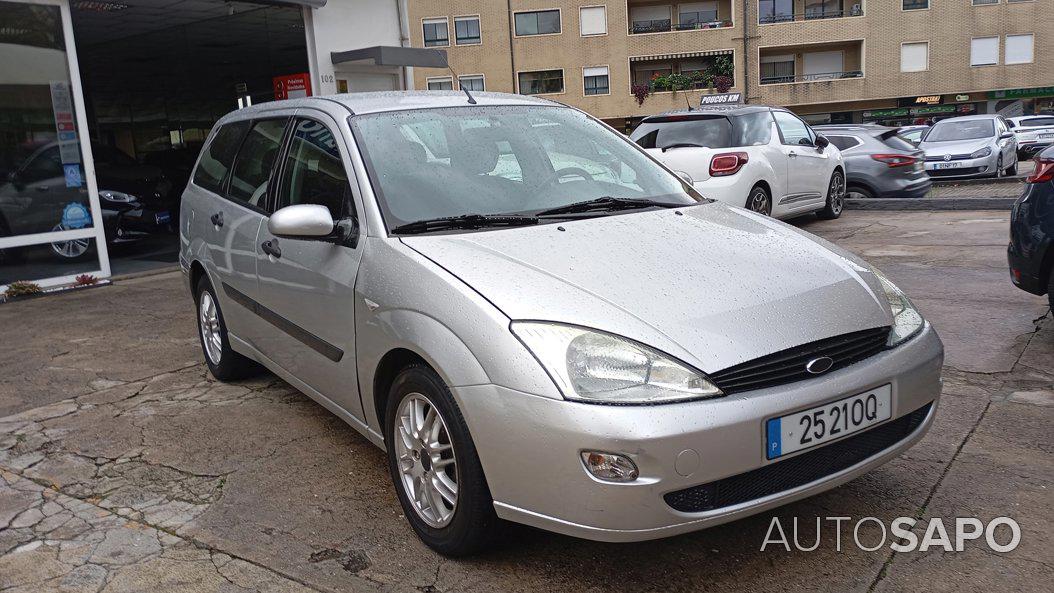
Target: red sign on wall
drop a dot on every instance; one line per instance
(292, 86)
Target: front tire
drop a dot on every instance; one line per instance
(224, 363)
(759, 200)
(1012, 171)
(434, 465)
(999, 167)
(835, 197)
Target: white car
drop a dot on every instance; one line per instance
(761, 158)
(1034, 133)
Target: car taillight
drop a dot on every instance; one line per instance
(895, 160)
(727, 163)
(1044, 171)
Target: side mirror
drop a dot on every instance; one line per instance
(302, 221)
(1006, 135)
(822, 142)
(806, 142)
(685, 177)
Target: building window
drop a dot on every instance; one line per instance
(776, 69)
(541, 22)
(1019, 49)
(690, 16)
(593, 20)
(982, 2)
(915, 57)
(775, 11)
(444, 83)
(436, 33)
(466, 30)
(823, 9)
(541, 82)
(650, 19)
(915, 4)
(471, 82)
(596, 80)
(984, 51)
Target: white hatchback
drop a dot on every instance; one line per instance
(761, 158)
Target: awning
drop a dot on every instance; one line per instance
(384, 55)
(690, 54)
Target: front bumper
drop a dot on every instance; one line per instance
(530, 446)
(982, 167)
(1032, 148)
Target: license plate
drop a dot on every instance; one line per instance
(1046, 136)
(163, 217)
(947, 165)
(822, 424)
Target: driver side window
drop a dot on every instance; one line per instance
(793, 130)
(314, 172)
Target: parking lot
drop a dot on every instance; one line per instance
(125, 467)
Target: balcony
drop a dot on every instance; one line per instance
(811, 63)
(652, 17)
(680, 72)
(789, 11)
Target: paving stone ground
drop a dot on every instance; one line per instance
(124, 467)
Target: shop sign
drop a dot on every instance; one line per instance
(65, 128)
(921, 100)
(292, 86)
(884, 113)
(721, 99)
(962, 98)
(1044, 91)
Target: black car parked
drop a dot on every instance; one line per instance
(1031, 250)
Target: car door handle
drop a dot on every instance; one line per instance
(271, 248)
(217, 219)
(792, 154)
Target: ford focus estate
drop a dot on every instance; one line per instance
(538, 322)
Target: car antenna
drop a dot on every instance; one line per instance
(471, 99)
(686, 100)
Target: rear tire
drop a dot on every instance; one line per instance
(466, 524)
(835, 197)
(759, 200)
(1012, 171)
(861, 191)
(224, 363)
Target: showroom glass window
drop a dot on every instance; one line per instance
(48, 227)
(541, 22)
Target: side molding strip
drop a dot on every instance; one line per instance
(295, 331)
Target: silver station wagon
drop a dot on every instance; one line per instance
(538, 322)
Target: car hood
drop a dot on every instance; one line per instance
(954, 147)
(713, 286)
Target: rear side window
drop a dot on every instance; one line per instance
(255, 159)
(314, 172)
(217, 157)
(712, 132)
(753, 129)
(892, 140)
(844, 142)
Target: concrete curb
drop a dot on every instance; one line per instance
(986, 180)
(989, 203)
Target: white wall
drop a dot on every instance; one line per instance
(343, 25)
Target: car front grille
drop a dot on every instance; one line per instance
(955, 157)
(788, 365)
(796, 471)
(954, 172)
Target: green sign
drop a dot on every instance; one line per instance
(1042, 91)
(883, 113)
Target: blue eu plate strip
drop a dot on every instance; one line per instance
(774, 447)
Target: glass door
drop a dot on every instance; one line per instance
(51, 225)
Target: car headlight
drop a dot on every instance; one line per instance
(116, 196)
(907, 321)
(978, 154)
(593, 366)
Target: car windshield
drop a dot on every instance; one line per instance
(949, 131)
(503, 160)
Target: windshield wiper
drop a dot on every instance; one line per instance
(682, 145)
(606, 204)
(465, 221)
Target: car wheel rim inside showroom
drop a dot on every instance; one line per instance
(103, 108)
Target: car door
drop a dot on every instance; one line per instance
(306, 287)
(228, 228)
(807, 166)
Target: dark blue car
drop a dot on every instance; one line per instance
(1031, 250)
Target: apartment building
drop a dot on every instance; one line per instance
(894, 61)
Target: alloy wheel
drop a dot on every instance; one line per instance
(426, 460)
(759, 202)
(209, 321)
(836, 193)
(72, 248)
(999, 167)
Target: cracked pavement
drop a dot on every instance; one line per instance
(125, 467)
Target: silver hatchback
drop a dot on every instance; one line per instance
(970, 146)
(538, 322)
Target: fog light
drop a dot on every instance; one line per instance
(609, 466)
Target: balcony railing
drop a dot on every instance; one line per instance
(666, 25)
(766, 19)
(811, 77)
